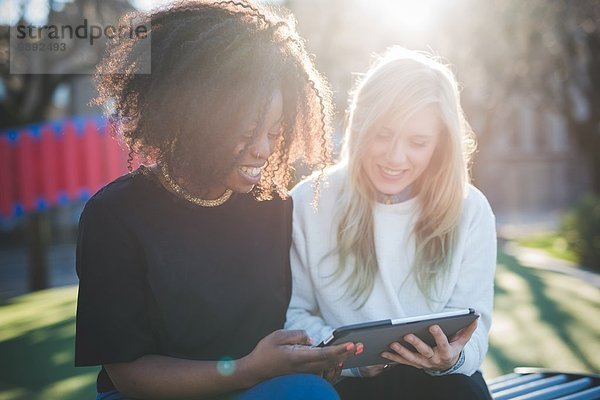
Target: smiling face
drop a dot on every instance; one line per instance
(255, 146)
(398, 153)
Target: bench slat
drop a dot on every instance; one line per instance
(589, 394)
(503, 378)
(553, 392)
(515, 382)
(530, 387)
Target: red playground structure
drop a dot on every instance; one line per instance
(57, 162)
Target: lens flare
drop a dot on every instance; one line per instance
(226, 366)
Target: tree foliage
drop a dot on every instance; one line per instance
(28, 97)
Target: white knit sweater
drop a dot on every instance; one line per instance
(318, 303)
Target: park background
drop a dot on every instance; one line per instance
(530, 79)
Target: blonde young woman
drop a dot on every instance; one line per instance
(399, 231)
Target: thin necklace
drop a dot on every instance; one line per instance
(196, 200)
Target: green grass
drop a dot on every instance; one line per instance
(541, 319)
(552, 243)
(36, 348)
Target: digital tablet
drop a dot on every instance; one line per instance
(378, 335)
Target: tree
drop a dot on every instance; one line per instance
(547, 51)
(27, 97)
(572, 46)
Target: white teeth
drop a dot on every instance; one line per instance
(393, 172)
(252, 171)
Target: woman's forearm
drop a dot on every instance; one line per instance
(161, 377)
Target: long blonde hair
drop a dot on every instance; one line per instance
(400, 83)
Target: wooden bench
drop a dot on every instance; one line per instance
(544, 384)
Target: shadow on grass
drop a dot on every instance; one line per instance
(550, 313)
(38, 363)
(505, 364)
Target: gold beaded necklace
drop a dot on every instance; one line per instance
(183, 193)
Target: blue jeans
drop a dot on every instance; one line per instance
(285, 387)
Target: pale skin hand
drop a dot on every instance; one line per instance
(438, 358)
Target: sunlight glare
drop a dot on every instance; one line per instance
(146, 5)
(412, 16)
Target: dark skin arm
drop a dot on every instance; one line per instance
(280, 353)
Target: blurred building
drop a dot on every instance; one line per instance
(529, 163)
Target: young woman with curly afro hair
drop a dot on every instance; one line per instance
(184, 263)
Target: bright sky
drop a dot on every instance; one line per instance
(410, 15)
(148, 4)
(36, 11)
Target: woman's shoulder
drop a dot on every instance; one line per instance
(326, 186)
(476, 205)
(120, 192)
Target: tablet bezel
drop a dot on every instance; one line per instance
(378, 335)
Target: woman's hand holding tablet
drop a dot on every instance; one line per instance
(441, 357)
(422, 341)
(291, 351)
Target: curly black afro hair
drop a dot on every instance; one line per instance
(211, 63)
